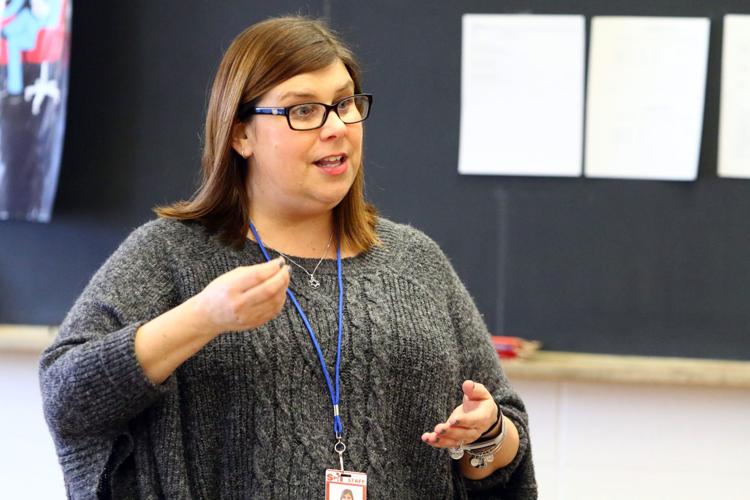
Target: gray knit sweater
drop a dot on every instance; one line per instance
(249, 416)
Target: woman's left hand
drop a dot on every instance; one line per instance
(468, 421)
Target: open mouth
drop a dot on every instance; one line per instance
(331, 161)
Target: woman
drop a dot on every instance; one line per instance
(183, 372)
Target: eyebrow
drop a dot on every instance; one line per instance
(306, 94)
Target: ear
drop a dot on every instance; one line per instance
(241, 139)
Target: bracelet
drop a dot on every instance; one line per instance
(497, 419)
(481, 452)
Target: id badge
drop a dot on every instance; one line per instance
(345, 485)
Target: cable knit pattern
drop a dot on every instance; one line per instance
(249, 416)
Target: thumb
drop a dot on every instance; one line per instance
(474, 391)
(253, 275)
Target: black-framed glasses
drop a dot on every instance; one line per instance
(311, 115)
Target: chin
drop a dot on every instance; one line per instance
(330, 199)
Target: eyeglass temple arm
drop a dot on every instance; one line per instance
(268, 111)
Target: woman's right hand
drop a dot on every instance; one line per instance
(244, 298)
(241, 299)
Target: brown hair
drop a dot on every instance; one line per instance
(258, 59)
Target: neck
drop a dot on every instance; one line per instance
(296, 236)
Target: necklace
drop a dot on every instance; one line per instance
(313, 282)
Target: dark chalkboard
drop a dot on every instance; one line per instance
(613, 266)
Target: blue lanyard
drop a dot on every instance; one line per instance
(338, 428)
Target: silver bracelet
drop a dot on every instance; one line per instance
(481, 452)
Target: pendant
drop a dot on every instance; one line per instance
(456, 453)
(313, 282)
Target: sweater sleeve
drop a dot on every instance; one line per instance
(481, 362)
(92, 385)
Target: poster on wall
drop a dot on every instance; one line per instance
(34, 63)
(734, 114)
(646, 96)
(522, 92)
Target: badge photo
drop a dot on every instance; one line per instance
(345, 485)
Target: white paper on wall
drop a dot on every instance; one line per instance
(522, 80)
(734, 121)
(646, 92)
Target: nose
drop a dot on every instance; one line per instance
(333, 126)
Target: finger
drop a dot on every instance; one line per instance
(476, 415)
(264, 313)
(271, 289)
(449, 433)
(254, 313)
(251, 276)
(463, 420)
(432, 439)
(437, 441)
(475, 391)
(445, 430)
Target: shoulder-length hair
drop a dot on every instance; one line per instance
(258, 59)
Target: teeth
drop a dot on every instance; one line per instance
(331, 159)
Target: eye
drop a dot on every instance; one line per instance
(345, 104)
(303, 111)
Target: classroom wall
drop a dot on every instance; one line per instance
(585, 265)
(591, 441)
(28, 463)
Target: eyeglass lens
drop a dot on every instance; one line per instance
(352, 109)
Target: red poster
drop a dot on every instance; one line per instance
(34, 55)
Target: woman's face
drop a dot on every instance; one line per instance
(347, 496)
(295, 173)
